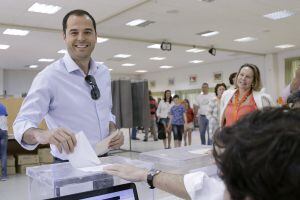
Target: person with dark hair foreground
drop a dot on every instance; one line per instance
(257, 157)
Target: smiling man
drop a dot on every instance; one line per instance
(73, 94)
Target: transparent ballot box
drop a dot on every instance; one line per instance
(54, 180)
(180, 160)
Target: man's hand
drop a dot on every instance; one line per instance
(62, 138)
(127, 172)
(117, 141)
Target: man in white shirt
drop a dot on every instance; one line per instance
(73, 94)
(202, 102)
(258, 158)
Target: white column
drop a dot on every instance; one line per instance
(1, 82)
(271, 75)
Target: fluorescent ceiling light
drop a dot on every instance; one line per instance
(44, 8)
(284, 46)
(46, 60)
(166, 67)
(128, 64)
(122, 56)
(195, 50)
(279, 14)
(245, 39)
(141, 71)
(16, 32)
(33, 66)
(4, 46)
(62, 51)
(157, 58)
(196, 61)
(154, 46)
(110, 69)
(101, 39)
(100, 63)
(210, 33)
(135, 22)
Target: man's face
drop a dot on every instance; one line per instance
(80, 37)
(205, 88)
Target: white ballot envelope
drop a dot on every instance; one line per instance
(102, 146)
(84, 154)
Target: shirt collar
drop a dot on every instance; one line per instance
(72, 66)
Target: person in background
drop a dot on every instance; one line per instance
(162, 113)
(232, 78)
(213, 113)
(82, 103)
(153, 126)
(177, 121)
(3, 141)
(202, 101)
(189, 126)
(294, 86)
(246, 98)
(256, 161)
(294, 100)
(133, 133)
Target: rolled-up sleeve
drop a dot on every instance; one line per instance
(35, 106)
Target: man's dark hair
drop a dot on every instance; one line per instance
(294, 97)
(259, 156)
(231, 77)
(217, 87)
(77, 13)
(176, 96)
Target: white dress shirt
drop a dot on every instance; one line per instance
(61, 95)
(202, 187)
(202, 101)
(163, 109)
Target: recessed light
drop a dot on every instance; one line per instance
(46, 60)
(195, 50)
(128, 64)
(15, 32)
(245, 39)
(110, 69)
(4, 46)
(135, 22)
(62, 51)
(157, 58)
(100, 62)
(196, 61)
(209, 33)
(33, 66)
(141, 71)
(166, 67)
(154, 46)
(122, 56)
(279, 14)
(101, 39)
(284, 46)
(44, 8)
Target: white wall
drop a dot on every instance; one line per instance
(16, 82)
(1, 82)
(204, 73)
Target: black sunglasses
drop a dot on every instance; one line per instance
(95, 92)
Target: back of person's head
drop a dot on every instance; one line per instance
(259, 156)
(231, 78)
(77, 12)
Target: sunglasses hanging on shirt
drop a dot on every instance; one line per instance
(95, 92)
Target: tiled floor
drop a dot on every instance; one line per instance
(15, 188)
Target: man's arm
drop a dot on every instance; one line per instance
(60, 137)
(171, 183)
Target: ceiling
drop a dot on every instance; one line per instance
(175, 21)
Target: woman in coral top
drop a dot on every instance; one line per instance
(246, 98)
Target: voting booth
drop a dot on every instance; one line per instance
(54, 180)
